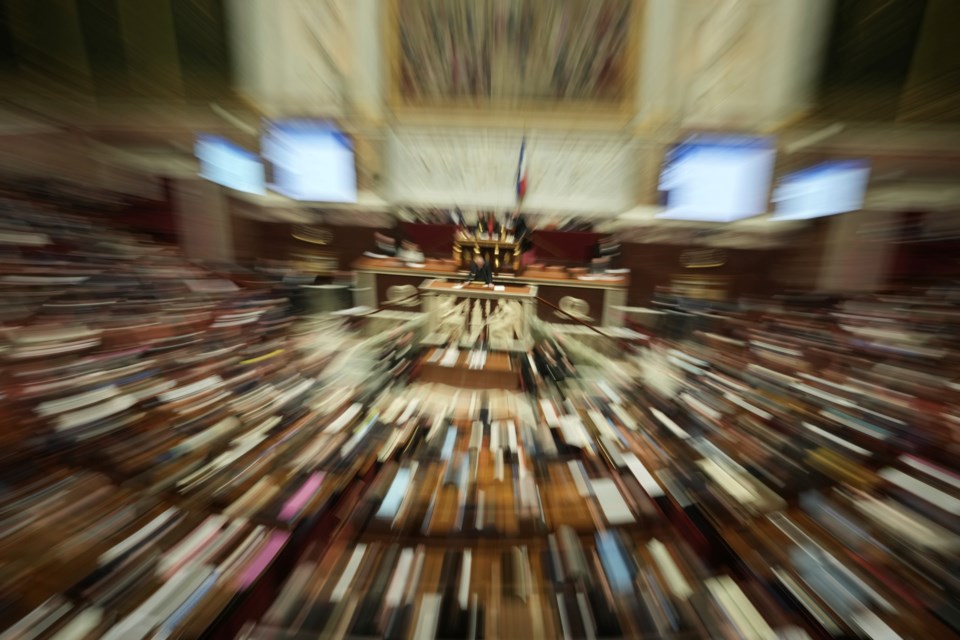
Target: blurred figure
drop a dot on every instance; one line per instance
(480, 271)
(410, 253)
(385, 244)
(517, 225)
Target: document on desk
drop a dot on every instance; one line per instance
(499, 287)
(611, 501)
(458, 286)
(450, 358)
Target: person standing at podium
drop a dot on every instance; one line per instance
(480, 271)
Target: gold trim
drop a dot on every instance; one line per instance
(703, 258)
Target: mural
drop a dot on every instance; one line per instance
(513, 51)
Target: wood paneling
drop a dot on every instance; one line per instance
(273, 241)
(653, 265)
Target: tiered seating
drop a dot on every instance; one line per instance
(180, 457)
(162, 436)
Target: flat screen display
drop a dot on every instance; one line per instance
(230, 165)
(822, 190)
(717, 178)
(310, 160)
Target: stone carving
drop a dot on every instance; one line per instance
(405, 295)
(470, 168)
(575, 307)
(506, 322)
(452, 316)
(476, 321)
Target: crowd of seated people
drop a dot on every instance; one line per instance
(164, 434)
(828, 427)
(172, 445)
(773, 474)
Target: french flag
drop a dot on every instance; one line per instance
(522, 172)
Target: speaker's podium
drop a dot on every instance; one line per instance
(459, 315)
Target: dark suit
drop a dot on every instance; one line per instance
(483, 274)
(519, 227)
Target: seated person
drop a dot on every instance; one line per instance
(599, 265)
(456, 217)
(608, 248)
(410, 253)
(528, 254)
(385, 244)
(517, 225)
(480, 271)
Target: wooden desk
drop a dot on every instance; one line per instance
(377, 278)
(508, 291)
(503, 310)
(497, 372)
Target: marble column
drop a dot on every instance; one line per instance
(855, 259)
(730, 63)
(798, 40)
(294, 57)
(658, 92)
(153, 62)
(366, 73)
(203, 220)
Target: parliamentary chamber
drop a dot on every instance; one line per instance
(234, 409)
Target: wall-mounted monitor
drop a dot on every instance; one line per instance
(230, 165)
(717, 178)
(822, 190)
(310, 160)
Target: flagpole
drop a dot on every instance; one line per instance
(521, 185)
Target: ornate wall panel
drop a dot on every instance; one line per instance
(477, 168)
(513, 52)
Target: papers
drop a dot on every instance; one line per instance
(669, 569)
(600, 278)
(395, 494)
(611, 501)
(669, 424)
(829, 436)
(499, 287)
(352, 311)
(343, 585)
(378, 256)
(450, 358)
(642, 475)
(573, 432)
(345, 418)
(922, 490)
(549, 413)
(937, 472)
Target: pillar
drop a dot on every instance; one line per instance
(857, 254)
(203, 220)
(153, 62)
